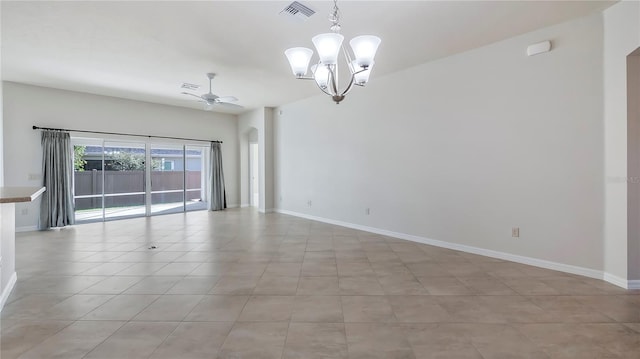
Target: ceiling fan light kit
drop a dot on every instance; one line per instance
(328, 46)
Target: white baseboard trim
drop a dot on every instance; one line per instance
(615, 280)
(567, 268)
(7, 290)
(233, 205)
(245, 205)
(27, 229)
(633, 284)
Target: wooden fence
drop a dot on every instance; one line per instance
(89, 183)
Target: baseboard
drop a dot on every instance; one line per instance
(245, 205)
(613, 279)
(233, 205)
(27, 229)
(7, 290)
(633, 284)
(591, 273)
(621, 282)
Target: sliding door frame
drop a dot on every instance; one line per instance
(148, 145)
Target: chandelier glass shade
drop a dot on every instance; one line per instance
(328, 46)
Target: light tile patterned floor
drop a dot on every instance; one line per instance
(238, 284)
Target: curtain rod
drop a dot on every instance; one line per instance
(123, 134)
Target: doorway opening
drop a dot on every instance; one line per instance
(254, 171)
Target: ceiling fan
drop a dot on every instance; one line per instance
(210, 100)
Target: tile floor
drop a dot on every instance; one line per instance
(238, 284)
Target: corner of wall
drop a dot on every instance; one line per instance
(1, 112)
(621, 37)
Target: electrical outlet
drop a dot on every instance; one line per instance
(367, 211)
(309, 203)
(515, 232)
(24, 211)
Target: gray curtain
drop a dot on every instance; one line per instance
(218, 197)
(56, 209)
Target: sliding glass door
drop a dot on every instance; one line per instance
(195, 178)
(87, 180)
(114, 179)
(124, 169)
(167, 179)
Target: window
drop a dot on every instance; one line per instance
(167, 165)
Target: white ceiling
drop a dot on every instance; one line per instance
(144, 50)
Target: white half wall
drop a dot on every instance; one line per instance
(26, 106)
(463, 149)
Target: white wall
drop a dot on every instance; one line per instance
(7, 253)
(268, 147)
(463, 149)
(261, 120)
(26, 106)
(1, 109)
(633, 164)
(621, 37)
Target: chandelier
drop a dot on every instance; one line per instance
(329, 45)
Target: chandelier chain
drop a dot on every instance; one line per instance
(334, 17)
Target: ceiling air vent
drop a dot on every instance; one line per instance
(297, 11)
(188, 86)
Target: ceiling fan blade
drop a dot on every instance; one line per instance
(190, 94)
(227, 99)
(210, 100)
(230, 105)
